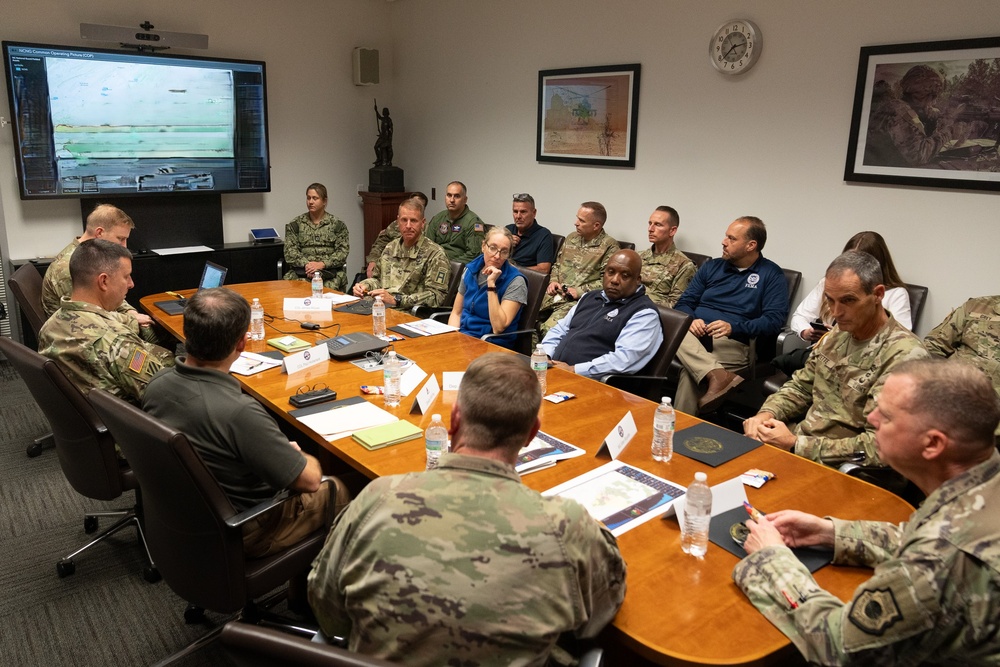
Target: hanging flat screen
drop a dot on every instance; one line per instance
(98, 123)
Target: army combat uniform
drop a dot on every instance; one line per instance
(418, 276)
(580, 265)
(97, 350)
(462, 239)
(390, 233)
(327, 242)
(464, 565)
(837, 389)
(934, 597)
(666, 275)
(972, 334)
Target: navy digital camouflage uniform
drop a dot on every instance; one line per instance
(580, 265)
(419, 275)
(837, 389)
(933, 599)
(666, 274)
(464, 565)
(462, 238)
(328, 242)
(98, 350)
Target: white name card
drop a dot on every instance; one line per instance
(426, 396)
(620, 436)
(306, 358)
(308, 304)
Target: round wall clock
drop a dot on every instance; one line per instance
(735, 46)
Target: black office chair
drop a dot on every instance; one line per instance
(557, 244)
(626, 245)
(918, 297)
(697, 258)
(192, 528)
(457, 268)
(537, 283)
(651, 381)
(85, 449)
(254, 646)
(26, 285)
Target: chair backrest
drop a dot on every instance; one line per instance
(26, 284)
(256, 646)
(626, 245)
(557, 244)
(185, 510)
(697, 258)
(456, 279)
(537, 283)
(85, 449)
(674, 324)
(792, 279)
(918, 297)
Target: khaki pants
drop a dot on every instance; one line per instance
(297, 517)
(699, 362)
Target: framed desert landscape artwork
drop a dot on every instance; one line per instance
(927, 114)
(588, 115)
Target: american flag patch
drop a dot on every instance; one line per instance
(478, 227)
(138, 361)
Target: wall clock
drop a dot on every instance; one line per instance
(735, 46)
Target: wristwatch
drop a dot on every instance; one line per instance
(398, 298)
(491, 289)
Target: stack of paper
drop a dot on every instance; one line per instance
(543, 451)
(340, 422)
(249, 363)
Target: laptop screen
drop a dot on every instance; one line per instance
(213, 276)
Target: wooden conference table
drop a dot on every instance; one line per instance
(678, 610)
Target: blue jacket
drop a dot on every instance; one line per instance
(754, 301)
(475, 302)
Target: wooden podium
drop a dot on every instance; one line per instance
(380, 208)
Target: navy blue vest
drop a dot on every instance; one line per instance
(597, 324)
(475, 302)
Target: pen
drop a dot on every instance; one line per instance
(791, 602)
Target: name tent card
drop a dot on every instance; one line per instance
(306, 358)
(308, 304)
(426, 396)
(620, 435)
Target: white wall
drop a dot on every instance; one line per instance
(322, 127)
(770, 143)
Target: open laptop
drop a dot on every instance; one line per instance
(212, 275)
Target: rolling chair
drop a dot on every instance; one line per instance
(192, 528)
(557, 244)
(649, 382)
(457, 268)
(85, 449)
(26, 285)
(626, 245)
(697, 258)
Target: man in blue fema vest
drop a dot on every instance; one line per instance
(615, 330)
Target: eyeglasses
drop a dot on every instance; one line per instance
(524, 197)
(497, 251)
(305, 389)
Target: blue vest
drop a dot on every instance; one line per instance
(597, 324)
(475, 302)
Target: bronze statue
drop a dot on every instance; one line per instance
(383, 145)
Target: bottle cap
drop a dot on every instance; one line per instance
(665, 399)
(701, 477)
(435, 418)
(378, 298)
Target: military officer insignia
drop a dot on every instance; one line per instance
(456, 228)
(439, 278)
(137, 361)
(875, 611)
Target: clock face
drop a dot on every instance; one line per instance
(735, 46)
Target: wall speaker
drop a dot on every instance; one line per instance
(365, 66)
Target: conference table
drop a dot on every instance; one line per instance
(678, 610)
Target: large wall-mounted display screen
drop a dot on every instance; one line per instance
(93, 123)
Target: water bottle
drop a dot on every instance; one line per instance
(436, 439)
(318, 285)
(378, 318)
(540, 364)
(663, 431)
(256, 320)
(697, 515)
(391, 372)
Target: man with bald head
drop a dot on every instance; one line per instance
(614, 330)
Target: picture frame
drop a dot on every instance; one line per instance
(927, 114)
(588, 115)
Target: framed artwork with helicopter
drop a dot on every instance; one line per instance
(588, 115)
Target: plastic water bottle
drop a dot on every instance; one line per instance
(378, 318)
(540, 364)
(436, 439)
(391, 372)
(256, 320)
(663, 431)
(697, 515)
(318, 285)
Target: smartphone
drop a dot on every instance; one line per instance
(819, 326)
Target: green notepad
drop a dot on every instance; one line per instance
(378, 437)
(288, 343)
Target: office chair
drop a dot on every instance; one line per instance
(26, 285)
(457, 268)
(254, 646)
(192, 528)
(537, 284)
(626, 245)
(650, 381)
(557, 244)
(85, 449)
(697, 258)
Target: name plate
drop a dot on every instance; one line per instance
(306, 358)
(426, 396)
(308, 304)
(620, 436)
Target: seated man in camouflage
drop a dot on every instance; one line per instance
(413, 270)
(94, 346)
(463, 564)
(579, 265)
(666, 271)
(839, 386)
(390, 233)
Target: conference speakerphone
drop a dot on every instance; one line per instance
(354, 345)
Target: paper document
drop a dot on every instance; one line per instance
(339, 298)
(343, 421)
(543, 451)
(182, 250)
(249, 363)
(426, 328)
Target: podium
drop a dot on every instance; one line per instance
(380, 208)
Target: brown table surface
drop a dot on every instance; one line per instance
(678, 609)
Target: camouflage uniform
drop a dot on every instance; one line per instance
(666, 274)
(899, 137)
(462, 239)
(57, 282)
(579, 265)
(837, 389)
(328, 243)
(390, 233)
(96, 349)
(419, 275)
(972, 333)
(464, 565)
(934, 597)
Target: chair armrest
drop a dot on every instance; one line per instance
(789, 340)
(281, 268)
(261, 508)
(427, 312)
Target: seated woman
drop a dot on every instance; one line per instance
(492, 291)
(317, 241)
(813, 308)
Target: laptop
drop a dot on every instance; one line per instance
(212, 275)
